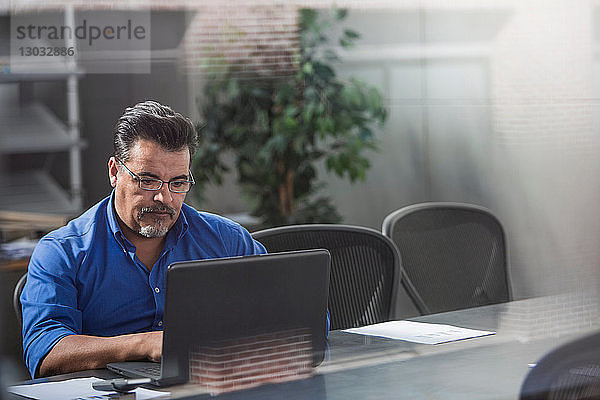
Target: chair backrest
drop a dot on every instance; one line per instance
(17, 297)
(365, 268)
(455, 254)
(570, 372)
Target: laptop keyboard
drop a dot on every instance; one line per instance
(151, 371)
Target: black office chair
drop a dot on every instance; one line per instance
(17, 297)
(365, 269)
(455, 254)
(570, 372)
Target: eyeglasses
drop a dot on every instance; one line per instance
(154, 184)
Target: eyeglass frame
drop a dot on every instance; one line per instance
(138, 178)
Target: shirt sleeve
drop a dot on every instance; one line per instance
(244, 244)
(49, 302)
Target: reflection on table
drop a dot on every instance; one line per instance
(490, 367)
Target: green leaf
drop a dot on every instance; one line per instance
(307, 113)
(307, 68)
(299, 145)
(289, 124)
(341, 14)
(290, 111)
(233, 88)
(276, 145)
(350, 34)
(330, 55)
(345, 42)
(308, 17)
(323, 71)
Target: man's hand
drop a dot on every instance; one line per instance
(80, 352)
(153, 341)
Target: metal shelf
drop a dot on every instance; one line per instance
(35, 191)
(37, 76)
(28, 127)
(32, 129)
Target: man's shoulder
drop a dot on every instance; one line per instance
(218, 236)
(206, 220)
(82, 225)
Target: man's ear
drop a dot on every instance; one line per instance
(112, 171)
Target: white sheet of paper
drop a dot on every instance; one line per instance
(418, 332)
(75, 389)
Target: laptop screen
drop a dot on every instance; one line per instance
(250, 308)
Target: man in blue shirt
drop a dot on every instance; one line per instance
(95, 288)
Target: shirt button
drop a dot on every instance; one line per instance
(159, 323)
(156, 290)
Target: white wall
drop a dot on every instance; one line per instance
(491, 105)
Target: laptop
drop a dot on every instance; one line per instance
(226, 299)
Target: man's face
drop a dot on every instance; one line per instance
(149, 213)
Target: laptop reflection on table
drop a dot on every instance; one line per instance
(233, 323)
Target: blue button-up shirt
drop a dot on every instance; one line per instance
(85, 278)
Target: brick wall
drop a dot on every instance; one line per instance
(243, 363)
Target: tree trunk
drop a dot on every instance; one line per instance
(286, 191)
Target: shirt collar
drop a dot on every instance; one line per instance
(178, 229)
(175, 233)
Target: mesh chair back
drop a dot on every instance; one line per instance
(454, 254)
(17, 297)
(570, 372)
(364, 268)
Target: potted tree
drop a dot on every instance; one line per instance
(279, 129)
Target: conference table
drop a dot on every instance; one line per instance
(488, 367)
